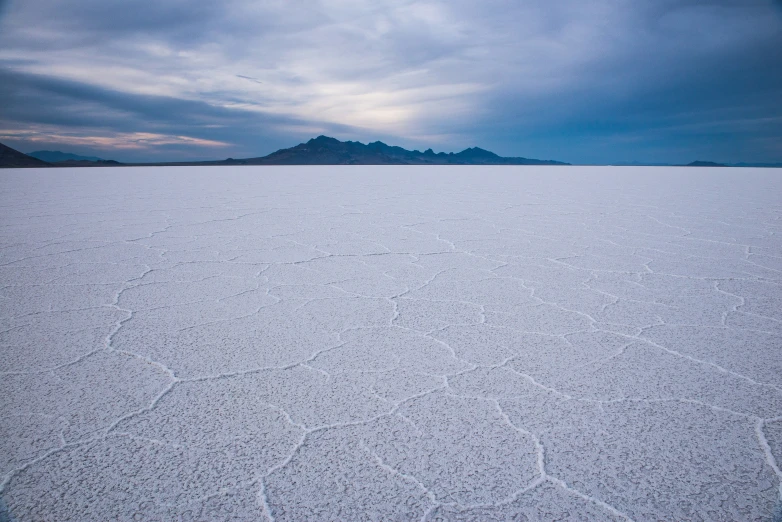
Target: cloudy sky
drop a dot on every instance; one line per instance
(580, 81)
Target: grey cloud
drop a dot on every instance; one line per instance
(42, 100)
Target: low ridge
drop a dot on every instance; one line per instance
(705, 164)
(56, 156)
(12, 158)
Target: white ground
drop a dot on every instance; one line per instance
(390, 343)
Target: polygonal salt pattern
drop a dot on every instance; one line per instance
(645, 458)
(85, 395)
(335, 476)
(545, 501)
(390, 343)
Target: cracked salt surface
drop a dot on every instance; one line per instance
(379, 343)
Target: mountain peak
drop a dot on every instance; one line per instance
(476, 152)
(323, 140)
(705, 164)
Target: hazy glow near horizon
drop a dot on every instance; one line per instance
(610, 80)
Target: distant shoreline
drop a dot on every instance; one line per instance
(323, 151)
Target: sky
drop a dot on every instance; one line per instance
(602, 81)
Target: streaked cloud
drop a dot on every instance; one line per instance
(108, 141)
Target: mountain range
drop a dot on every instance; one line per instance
(322, 150)
(319, 151)
(55, 156)
(330, 151)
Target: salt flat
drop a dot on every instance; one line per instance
(388, 343)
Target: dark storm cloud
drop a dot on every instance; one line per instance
(43, 99)
(610, 80)
(664, 94)
(93, 21)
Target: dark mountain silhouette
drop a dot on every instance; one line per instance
(87, 163)
(705, 164)
(330, 151)
(11, 158)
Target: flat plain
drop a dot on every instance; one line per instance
(390, 343)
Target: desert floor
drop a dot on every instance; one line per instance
(356, 343)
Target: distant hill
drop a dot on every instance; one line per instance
(330, 151)
(752, 165)
(640, 164)
(87, 163)
(11, 158)
(55, 156)
(696, 164)
(759, 165)
(705, 164)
